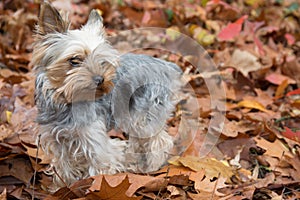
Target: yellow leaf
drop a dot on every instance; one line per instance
(8, 116)
(252, 104)
(173, 33)
(174, 161)
(211, 166)
(208, 39)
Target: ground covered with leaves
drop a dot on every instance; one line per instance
(255, 46)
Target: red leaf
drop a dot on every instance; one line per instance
(290, 38)
(259, 45)
(288, 133)
(277, 79)
(146, 17)
(232, 30)
(294, 92)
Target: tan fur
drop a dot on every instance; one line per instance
(84, 88)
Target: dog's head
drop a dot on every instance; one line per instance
(79, 64)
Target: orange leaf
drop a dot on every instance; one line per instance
(252, 104)
(294, 92)
(112, 193)
(136, 181)
(281, 88)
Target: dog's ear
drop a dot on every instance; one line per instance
(50, 21)
(95, 21)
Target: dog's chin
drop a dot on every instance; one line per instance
(87, 95)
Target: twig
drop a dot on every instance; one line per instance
(215, 187)
(35, 170)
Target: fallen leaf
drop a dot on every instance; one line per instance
(108, 192)
(288, 133)
(198, 178)
(136, 181)
(253, 105)
(281, 89)
(291, 68)
(33, 153)
(276, 149)
(5, 132)
(277, 79)
(211, 166)
(244, 62)
(212, 186)
(3, 195)
(294, 92)
(176, 191)
(290, 38)
(232, 30)
(179, 179)
(155, 185)
(19, 168)
(233, 128)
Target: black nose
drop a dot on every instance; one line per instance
(98, 80)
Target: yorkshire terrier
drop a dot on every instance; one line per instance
(84, 88)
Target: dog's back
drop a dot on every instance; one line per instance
(143, 99)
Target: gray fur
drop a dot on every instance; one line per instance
(74, 133)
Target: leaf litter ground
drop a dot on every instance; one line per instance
(255, 45)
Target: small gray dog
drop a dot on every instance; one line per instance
(84, 89)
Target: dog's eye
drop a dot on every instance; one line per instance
(75, 61)
(103, 63)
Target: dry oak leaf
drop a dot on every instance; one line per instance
(244, 62)
(252, 104)
(275, 149)
(176, 192)
(136, 181)
(208, 185)
(211, 166)
(108, 192)
(75, 191)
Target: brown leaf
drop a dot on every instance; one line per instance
(19, 168)
(32, 152)
(155, 185)
(292, 69)
(79, 188)
(5, 132)
(176, 192)
(112, 193)
(233, 128)
(208, 185)
(137, 181)
(3, 195)
(179, 180)
(203, 196)
(244, 61)
(276, 149)
(62, 194)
